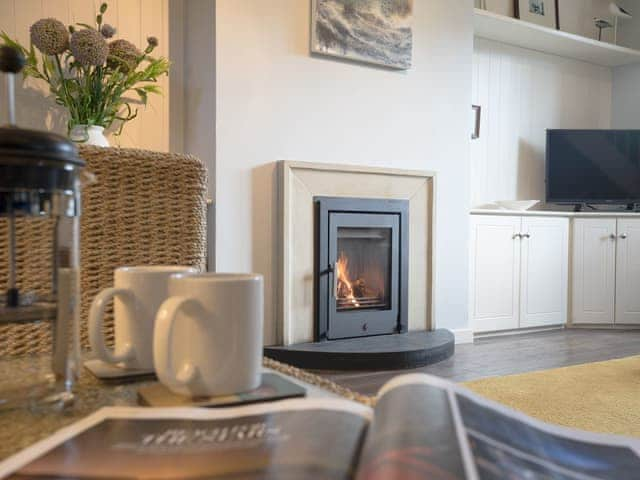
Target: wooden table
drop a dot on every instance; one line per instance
(21, 427)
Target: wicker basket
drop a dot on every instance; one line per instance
(146, 208)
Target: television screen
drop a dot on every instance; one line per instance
(593, 166)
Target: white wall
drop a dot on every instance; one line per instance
(134, 19)
(275, 101)
(629, 30)
(625, 110)
(523, 93)
(193, 92)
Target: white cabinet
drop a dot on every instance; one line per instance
(495, 272)
(519, 276)
(544, 272)
(628, 271)
(606, 271)
(518, 272)
(594, 270)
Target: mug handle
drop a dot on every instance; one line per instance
(163, 339)
(96, 322)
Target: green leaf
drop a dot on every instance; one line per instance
(143, 95)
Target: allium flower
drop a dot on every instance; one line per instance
(50, 36)
(123, 55)
(89, 47)
(107, 31)
(152, 42)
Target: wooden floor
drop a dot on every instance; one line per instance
(510, 354)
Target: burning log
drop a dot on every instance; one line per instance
(353, 294)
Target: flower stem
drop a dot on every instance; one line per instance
(68, 99)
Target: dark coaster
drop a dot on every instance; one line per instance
(106, 371)
(273, 387)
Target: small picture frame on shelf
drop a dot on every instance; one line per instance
(540, 12)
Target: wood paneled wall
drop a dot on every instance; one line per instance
(523, 93)
(135, 20)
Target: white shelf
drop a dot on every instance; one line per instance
(542, 39)
(553, 213)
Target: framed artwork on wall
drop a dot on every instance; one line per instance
(370, 31)
(540, 12)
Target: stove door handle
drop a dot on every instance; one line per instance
(334, 271)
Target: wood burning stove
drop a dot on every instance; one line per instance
(361, 269)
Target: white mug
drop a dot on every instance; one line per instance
(208, 336)
(137, 294)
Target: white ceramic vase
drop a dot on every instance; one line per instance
(89, 135)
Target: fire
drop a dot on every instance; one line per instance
(358, 288)
(345, 286)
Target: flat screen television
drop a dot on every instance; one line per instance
(593, 166)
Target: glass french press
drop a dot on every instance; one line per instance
(39, 178)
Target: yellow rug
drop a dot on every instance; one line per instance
(599, 397)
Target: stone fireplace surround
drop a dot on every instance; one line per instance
(299, 183)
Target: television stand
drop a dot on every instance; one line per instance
(579, 207)
(630, 207)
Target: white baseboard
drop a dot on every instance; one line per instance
(603, 326)
(463, 335)
(518, 331)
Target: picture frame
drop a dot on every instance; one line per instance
(375, 32)
(541, 12)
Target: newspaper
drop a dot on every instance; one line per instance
(427, 428)
(422, 427)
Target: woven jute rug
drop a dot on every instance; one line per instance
(599, 397)
(318, 381)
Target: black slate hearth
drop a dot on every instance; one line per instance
(383, 352)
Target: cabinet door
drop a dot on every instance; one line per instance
(495, 272)
(544, 271)
(628, 271)
(593, 270)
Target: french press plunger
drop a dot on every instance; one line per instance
(39, 179)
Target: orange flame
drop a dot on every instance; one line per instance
(345, 287)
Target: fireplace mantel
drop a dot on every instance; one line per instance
(299, 183)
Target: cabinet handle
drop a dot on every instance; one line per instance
(477, 109)
(517, 235)
(526, 235)
(613, 236)
(623, 236)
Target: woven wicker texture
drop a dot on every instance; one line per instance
(22, 427)
(319, 381)
(146, 208)
(34, 240)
